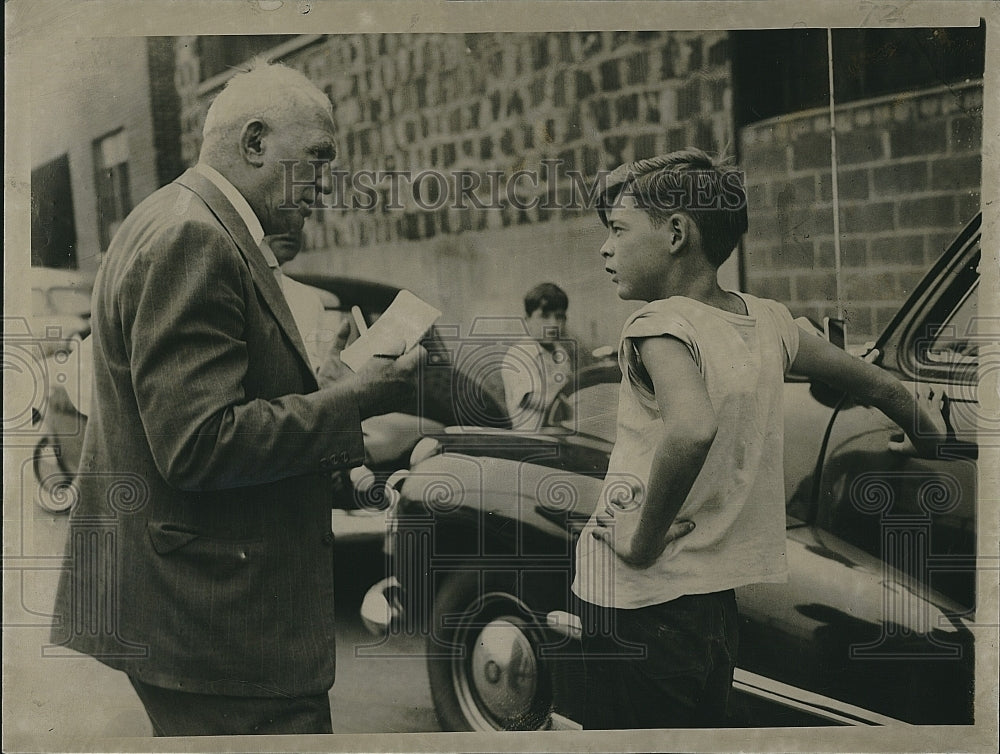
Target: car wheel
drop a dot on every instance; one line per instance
(54, 492)
(483, 659)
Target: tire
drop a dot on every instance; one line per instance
(483, 659)
(55, 494)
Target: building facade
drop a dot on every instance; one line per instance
(471, 112)
(100, 143)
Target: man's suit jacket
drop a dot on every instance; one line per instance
(200, 553)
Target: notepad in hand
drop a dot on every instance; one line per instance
(406, 320)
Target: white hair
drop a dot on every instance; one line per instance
(268, 91)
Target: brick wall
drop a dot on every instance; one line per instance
(908, 179)
(495, 102)
(166, 108)
(192, 106)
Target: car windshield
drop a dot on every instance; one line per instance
(592, 411)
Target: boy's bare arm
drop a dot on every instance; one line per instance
(689, 428)
(919, 417)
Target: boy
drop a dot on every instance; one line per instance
(534, 371)
(699, 448)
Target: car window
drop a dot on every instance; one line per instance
(67, 300)
(593, 411)
(955, 341)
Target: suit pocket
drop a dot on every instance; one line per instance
(169, 537)
(184, 551)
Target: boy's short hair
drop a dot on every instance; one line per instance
(548, 297)
(690, 181)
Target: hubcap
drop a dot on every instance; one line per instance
(504, 670)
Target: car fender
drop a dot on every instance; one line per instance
(497, 497)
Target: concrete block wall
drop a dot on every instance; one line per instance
(192, 104)
(166, 108)
(908, 179)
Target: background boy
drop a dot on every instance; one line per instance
(699, 448)
(533, 371)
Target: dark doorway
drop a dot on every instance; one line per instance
(778, 71)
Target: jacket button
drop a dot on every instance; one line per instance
(328, 538)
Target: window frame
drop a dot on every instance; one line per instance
(112, 187)
(945, 287)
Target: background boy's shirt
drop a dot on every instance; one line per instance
(737, 501)
(527, 369)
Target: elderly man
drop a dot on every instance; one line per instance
(200, 556)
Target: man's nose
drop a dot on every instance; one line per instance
(606, 250)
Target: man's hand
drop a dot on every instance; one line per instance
(386, 383)
(333, 369)
(640, 552)
(389, 383)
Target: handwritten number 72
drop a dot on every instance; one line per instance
(883, 13)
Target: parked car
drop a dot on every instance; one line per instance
(389, 438)
(60, 307)
(872, 627)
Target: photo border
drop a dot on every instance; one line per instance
(36, 28)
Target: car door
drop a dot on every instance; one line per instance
(856, 634)
(917, 515)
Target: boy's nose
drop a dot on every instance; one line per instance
(606, 250)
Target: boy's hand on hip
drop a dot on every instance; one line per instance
(640, 553)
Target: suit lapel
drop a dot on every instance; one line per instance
(262, 275)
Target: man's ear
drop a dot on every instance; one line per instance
(679, 229)
(252, 142)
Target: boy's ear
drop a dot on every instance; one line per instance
(679, 230)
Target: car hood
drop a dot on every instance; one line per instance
(496, 490)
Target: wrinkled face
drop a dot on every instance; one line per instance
(298, 154)
(547, 327)
(635, 254)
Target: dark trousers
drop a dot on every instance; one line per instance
(180, 713)
(664, 666)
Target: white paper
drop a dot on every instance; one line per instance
(406, 320)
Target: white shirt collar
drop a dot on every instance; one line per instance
(265, 249)
(240, 204)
